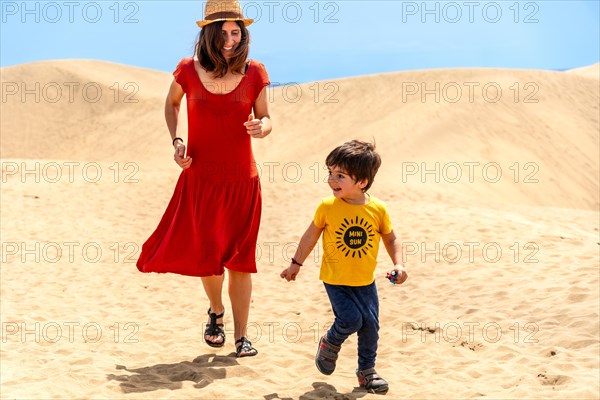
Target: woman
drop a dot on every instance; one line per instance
(211, 223)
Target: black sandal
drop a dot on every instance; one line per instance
(245, 348)
(214, 329)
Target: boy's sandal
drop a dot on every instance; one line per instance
(327, 355)
(214, 329)
(370, 380)
(243, 348)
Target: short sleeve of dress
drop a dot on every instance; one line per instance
(263, 75)
(261, 79)
(180, 73)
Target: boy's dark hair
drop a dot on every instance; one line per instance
(358, 159)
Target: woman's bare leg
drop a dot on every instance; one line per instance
(213, 286)
(240, 293)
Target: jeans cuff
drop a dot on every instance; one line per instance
(366, 366)
(331, 338)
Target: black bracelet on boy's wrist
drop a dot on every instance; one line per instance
(296, 262)
(177, 138)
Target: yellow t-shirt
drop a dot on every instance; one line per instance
(351, 239)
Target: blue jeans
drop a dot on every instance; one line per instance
(356, 309)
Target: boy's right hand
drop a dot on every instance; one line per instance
(290, 273)
(400, 274)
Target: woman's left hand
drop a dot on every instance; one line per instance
(254, 127)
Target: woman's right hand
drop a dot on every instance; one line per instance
(180, 159)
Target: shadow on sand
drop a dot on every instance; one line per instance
(322, 390)
(202, 371)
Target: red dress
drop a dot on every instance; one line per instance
(212, 220)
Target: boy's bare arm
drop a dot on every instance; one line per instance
(394, 249)
(307, 243)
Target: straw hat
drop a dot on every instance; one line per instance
(223, 10)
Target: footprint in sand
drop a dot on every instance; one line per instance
(553, 380)
(471, 346)
(551, 353)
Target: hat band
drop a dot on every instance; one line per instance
(223, 15)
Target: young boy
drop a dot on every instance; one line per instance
(352, 222)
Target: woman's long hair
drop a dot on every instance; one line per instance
(209, 45)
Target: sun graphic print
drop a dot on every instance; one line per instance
(354, 237)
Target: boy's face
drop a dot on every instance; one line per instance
(343, 185)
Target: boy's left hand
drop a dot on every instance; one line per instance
(401, 276)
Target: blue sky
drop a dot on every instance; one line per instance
(301, 41)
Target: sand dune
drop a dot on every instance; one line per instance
(502, 296)
(81, 110)
(486, 135)
(591, 71)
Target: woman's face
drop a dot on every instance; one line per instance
(232, 35)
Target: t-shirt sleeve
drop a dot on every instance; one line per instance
(319, 218)
(180, 75)
(386, 222)
(261, 79)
